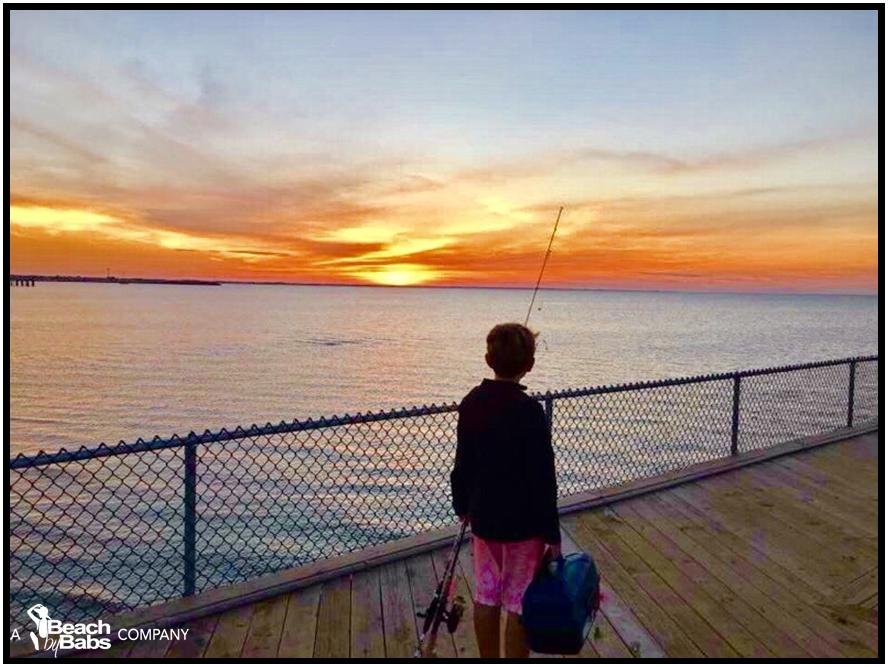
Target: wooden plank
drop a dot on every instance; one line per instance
(858, 633)
(849, 473)
(779, 583)
(781, 540)
(803, 512)
(150, 649)
(607, 642)
(300, 623)
(853, 494)
(862, 615)
(423, 582)
(750, 549)
(860, 451)
(333, 632)
(617, 617)
(859, 637)
(685, 616)
(766, 633)
(850, 496)
(397, 611)
(830, 502)
(367, 633)
(589, 650)
(702, 618)
(859, 517)
(631, 631)
(841, 463)
(861, 588)
(200, 631)
(823, 478)
(230, 633)
(784, 522)
(658, 623)
(756, 528)
(266, 628)
(869, 441)
(737, 574)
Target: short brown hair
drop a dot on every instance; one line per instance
(510, 349)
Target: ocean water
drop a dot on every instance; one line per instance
(97, 363)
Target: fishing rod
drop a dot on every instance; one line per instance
(446, 607)
(543, 267)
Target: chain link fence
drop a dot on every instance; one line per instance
(102, 530)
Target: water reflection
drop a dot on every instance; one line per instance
(94, 363)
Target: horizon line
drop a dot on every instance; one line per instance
(200, 282)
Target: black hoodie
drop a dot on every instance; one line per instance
(504, 474)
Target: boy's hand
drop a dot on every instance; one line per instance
(554, 551)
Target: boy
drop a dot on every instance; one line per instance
(503, 483)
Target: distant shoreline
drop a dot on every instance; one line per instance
(113, 280)
(215, 283)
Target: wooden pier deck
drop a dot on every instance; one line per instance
(776, 559)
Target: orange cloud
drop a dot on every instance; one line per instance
(83, 221)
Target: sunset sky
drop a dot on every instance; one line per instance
(691, 150)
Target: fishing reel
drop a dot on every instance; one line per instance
(450, 617)
(454, 616)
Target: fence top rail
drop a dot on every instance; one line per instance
(64, 455)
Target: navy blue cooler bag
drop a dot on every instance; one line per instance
(559, 606)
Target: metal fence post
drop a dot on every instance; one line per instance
(852, 373)
(189, 554)
(735, 415)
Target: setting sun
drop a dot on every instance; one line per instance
(398, 274)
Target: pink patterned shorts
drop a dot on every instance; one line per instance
(504, 570)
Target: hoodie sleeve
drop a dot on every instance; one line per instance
(542, 468)
(461, 474)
